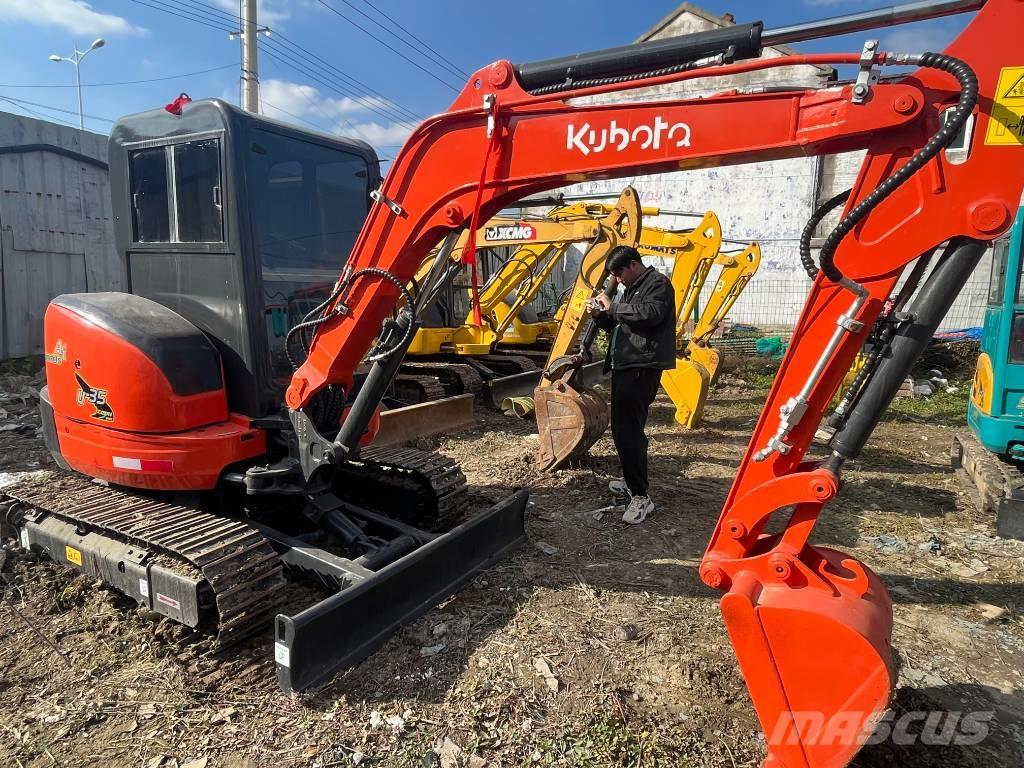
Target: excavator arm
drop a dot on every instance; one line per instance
(944, 164)
(730, 284)
(697, 363)
(570, 416)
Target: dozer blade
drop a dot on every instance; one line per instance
(403, 425)
(345, 628)
(569, 421)
(687, 385)
(504, 387)
(816, 657)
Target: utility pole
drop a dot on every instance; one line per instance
(250, 59)
(250, 56)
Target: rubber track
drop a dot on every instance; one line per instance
(524, 363)
(242, 569)
(437, 480)
(429, 388)
(994, 478)
(469, 381)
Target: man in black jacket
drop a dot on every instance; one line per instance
(642, 325)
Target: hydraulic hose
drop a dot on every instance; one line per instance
(377, 353)
(820, 213)
(942, 139)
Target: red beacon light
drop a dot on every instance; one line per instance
(175, 106)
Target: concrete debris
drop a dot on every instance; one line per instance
(547, 549)
(450, 753)
(627, 632)
(890, 545)
(990, 612)
(922, 679)
(432, 650)
(934, 546)
(542, 666)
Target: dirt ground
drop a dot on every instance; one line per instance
(596, 645)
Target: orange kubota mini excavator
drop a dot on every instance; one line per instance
(136, 393)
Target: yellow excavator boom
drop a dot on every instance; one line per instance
(697, 365)
(540, 245)
(571, 418)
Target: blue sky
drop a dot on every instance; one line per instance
(362, 88)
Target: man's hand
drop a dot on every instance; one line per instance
(598, 304)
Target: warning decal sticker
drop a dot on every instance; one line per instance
(1006, 127)
(73, 555)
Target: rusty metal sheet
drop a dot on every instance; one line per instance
(402, 425)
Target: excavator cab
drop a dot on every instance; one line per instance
(239, 224)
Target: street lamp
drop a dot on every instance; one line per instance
(76, 59)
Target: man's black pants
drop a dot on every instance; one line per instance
(633, 391)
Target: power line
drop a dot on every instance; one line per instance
(461, 71)
(391, 48)
(293, 63)
(321, 128)
(55, 109)
(430, 54)
(340, 118)
(35, 114)
(283, 58)
(184, 15)
(234, 18)
(316, 60)
(393, 112)
(279, 38)
(123, 82)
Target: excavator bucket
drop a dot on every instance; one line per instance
(569, 421)
(707, 358)
(816, 659)
(687, 386)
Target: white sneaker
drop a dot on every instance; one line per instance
(638, 510)
(619, 488)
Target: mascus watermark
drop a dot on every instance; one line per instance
(933, 728)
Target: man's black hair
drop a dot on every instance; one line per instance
(622, 256)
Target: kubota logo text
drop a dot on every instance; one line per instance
(510, 232)
(587, 139)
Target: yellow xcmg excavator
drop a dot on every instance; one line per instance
(467, 358)
(695, 254)
(570, 415)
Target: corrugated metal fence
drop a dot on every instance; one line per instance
(56, 233)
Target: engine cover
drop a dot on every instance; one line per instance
(135, 395)
(131, 364)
